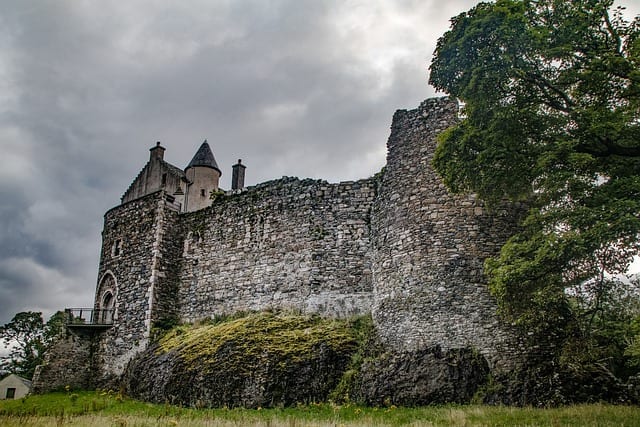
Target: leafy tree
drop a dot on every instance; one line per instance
(551, 93)
(28, 337)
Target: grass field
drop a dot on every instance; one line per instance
(109, 409)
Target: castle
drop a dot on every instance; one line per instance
(396, 245)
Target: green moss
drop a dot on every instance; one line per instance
(216, 195)
(364, 332)
(224, 345)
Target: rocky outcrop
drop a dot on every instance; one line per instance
(545, 383)
(423, 377)
(262, 360)
(274, 359)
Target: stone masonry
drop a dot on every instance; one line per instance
(288, 243)
(429, 247)
(397, 245)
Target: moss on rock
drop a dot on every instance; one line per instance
(260, 360)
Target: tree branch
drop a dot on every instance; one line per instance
(610, 149)
(613, 33)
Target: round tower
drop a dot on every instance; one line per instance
(430, 245)
(203, 176)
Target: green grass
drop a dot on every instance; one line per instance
(110, 409)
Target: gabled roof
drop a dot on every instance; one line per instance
(204, 157)
(24, 381)
(174, 170)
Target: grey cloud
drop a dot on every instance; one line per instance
(283, 85)
(293, 88)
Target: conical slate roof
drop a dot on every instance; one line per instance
(204, 157)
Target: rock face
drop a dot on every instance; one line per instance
(273, 359)
(262, 360)
(422, 377)
(546, 384)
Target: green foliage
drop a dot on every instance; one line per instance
(366, 338)
(633, 349)
(216, 195)
(104, 408)
(551, 93)
(28, 338)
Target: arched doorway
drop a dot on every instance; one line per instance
(107, 307)
(106, 296)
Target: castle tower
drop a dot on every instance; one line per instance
(203, 176)
(430, 246)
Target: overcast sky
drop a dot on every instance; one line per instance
(295, 88)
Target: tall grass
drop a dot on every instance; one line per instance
(110, 409)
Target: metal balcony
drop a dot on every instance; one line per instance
(89, 318)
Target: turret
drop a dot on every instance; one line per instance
(203, 176)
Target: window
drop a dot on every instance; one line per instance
(202, 193)
(117, 248)
(11, 393)
(164, 179)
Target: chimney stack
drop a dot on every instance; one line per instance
(157, 152)
(237, 177)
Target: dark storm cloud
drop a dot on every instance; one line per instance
(297, 88)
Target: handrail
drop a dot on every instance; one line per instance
(89, 316)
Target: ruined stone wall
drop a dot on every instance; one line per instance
(69, 362)
(430, 246)
(282, 244)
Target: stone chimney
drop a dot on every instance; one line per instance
(237, 177)
(157, 152)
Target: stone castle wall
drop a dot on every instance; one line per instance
(430, 246)
(70, 362)
(398, 246)
(131, 257)
(283, 244)
(292, 244)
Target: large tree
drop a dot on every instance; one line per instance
(28, 338)
(551, 117)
